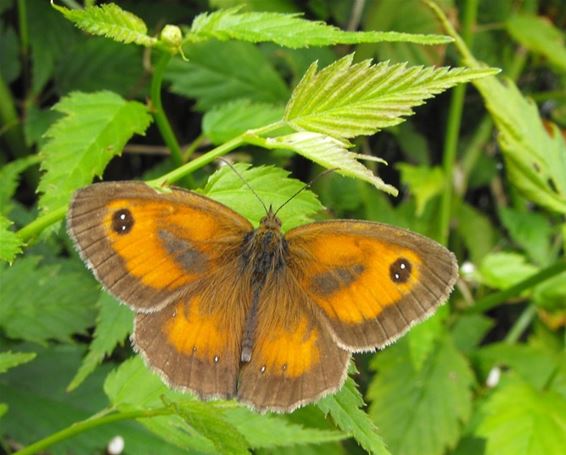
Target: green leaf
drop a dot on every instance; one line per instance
(10, 65)
(111, 21)
(39, 406)
(424, 183)
(229, 120)
(551, 294)
(344, 407)
(535, 159)
(520, 420)
(133, 386)
(10, 178)
(330, 153)
(469, 330)
(538, 35)
(475, 230)
(423, 337)
(11, 243)
(289, 30)
(502, 270)
(13, 359)
(272, 431)
(421, 411)
(59, 304)
(221, 72)
(349, 99)
(531, 231)
(113, 325)
(80, 71)
(95, 128)
(209, 421)
(272, 185)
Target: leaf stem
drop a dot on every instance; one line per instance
(495, 299)
(159, 114)
(453, 130)
(40, 223)
(84, 425)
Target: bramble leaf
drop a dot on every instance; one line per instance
(95, 128)
(421, 411)
(345, 409)
(111, 21)
(13, 359)
(290, 30)
(10, 242)
(113, 325)
(59, 304)
(217, 73)
(272, 185)
(520, 420)
(330, 153)
(348, 99)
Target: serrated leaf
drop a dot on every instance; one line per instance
(531, 231)
(423, 337)
(58, 303)
(520, 420)
(113, 325)
(209, 421)
(272, 185)
(349, 99)
(13, 359)
(133, 386)
(217, 73)
(330, 153)
(111, 21)
(229, 120)
(421, 411)
(290, 30)
(9, 179)
(504, 269)
(95, 128)
(476, 231)
(39, 406)
(344, 407)
(537, 34)
(535, 159)
(11, 243)
(424, 182)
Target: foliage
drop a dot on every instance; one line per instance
(99, 91)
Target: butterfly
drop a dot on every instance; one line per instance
(224, 310)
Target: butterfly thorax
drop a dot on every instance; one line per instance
(264, 252)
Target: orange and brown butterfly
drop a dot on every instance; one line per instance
(228, 311)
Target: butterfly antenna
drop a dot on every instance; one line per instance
(231, 166)
(308, 185)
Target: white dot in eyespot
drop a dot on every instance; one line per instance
(262, 369)
(116, 445)
(216, 359)
(122, 216)
(397, 276)
(403, 266)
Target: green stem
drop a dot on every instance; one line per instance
(88, 424)
(40, 223)
(159, 114)
(497, 298)
(192, 147)
(453, 130)
(23, 28)
(521, 325)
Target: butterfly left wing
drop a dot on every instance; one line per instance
(294, 359)
(371, 282)
(195, 342)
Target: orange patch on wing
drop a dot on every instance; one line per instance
(373, 290)
(192, 333)
(141, 249)
(291, 353)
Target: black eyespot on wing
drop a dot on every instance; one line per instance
(122, 221)
(400, 270)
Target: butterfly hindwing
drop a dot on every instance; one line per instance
(147, 247)
(370, 281)
(294, 359)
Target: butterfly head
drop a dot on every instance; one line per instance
(270, 221)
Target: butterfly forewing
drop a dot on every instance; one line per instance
(148, 248)
(370, 281)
